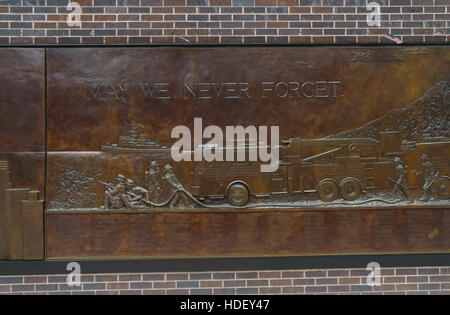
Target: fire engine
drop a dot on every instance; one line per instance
(333, 168)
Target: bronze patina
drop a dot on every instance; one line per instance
(356, 125)
(363, 152)
(22, 151)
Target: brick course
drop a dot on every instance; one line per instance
(405, 281)
(222, 21)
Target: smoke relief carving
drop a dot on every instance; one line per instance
(427, 117)
(76, 190)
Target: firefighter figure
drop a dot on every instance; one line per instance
(135, 196)
(175, 185)
(152, 174)
(114, 195)
(429, 177)
(401, 183)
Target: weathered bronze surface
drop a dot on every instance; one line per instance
(357, 125)
(22, 147)
(22, 115)
(278, 232)
(364, 152)
(21, 220)
(95, 93)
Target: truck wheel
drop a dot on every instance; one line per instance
(238, 194)
(328, 190)
(443, 188)
(350, 189)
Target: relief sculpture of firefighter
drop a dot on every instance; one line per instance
(153, 181)
(127, 195)
(177, 189)
(401, 184)
(430, 177)
(136, 196)
(114, 194)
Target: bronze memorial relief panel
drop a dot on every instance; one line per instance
(22, 153)
(239, 151)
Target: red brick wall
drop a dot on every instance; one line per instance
(222, 21)
(422, 280)
(36, 22)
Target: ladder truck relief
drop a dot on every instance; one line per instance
(331, 169)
